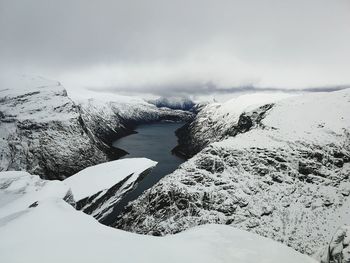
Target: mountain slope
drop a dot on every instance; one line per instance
(99, 188)
(215, 120)
(280, 170)
(51, 230)
(41, 131)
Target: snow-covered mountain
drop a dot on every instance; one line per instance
(175, 103)
(44, 132)
(41, 130)
(278, 168)
(214, 121)
(274, 165)
(37, 225)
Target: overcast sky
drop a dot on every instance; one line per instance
(165, 46)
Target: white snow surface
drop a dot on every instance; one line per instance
(101, 177)
(233, 108)
(18, 190)
(320, 118)
(54, 231)
(46, 99)
(215, 119)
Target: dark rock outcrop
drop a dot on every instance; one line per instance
(338, 249)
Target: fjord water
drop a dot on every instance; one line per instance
(154, 141)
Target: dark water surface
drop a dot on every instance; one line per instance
(153, 141)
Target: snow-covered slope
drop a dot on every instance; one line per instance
(41, 130)
(44, 132)
(215, 120)
(280, 170)
(20, 190)
(100, 177)
(53, 231)
(98, 188)
(94, 190)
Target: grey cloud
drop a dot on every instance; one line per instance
(209, 88)
(274, 41)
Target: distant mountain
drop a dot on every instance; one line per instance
(175, 103)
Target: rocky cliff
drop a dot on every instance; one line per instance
(97, 189)
(338, 248)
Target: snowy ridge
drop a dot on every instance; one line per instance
(98, 188)
(35, 98)
(282, 172)
(67, 235)
(41, 131)
(94, 190)
(215, 120)
(100, 177)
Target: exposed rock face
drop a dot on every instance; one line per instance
(99, 188)
(41, 131)
(44, 132)
(282, 172)
(338, 249)
(101, 204)
(193, 138)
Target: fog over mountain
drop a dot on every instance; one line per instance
(195, 46)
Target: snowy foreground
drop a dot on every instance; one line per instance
(37, 224)
(98, 197)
